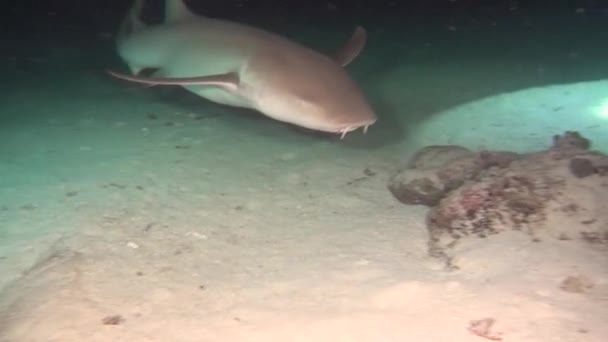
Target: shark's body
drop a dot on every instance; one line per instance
(242, 66)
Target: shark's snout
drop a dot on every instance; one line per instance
(354, 113)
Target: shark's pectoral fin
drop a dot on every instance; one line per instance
(229, 81)
(352, 48)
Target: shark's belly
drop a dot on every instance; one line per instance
(221, 96)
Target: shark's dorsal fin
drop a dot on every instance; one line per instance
(352, 48)
(176, 10)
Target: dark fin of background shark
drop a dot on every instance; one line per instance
(352, 48)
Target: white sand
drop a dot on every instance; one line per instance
(249, 231)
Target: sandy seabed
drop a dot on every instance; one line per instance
(128, 217)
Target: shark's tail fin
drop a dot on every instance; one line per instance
(131, 22)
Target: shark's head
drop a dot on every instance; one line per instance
(333, 112)
(314, 93)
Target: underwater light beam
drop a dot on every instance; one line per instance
(602, 110)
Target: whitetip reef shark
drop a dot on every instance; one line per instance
(243, 66)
